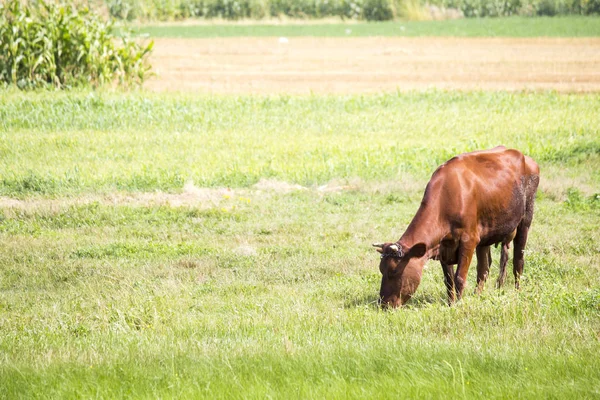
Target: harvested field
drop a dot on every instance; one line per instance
(362, 65)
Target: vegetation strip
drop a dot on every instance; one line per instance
(55, 144)
(567, 26)
(372, 10)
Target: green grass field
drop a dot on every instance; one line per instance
(569, 26)
(116, 282)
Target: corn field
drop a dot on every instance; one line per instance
(62, 45)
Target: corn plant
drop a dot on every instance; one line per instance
(46, 43)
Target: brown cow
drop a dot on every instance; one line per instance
(472, 201)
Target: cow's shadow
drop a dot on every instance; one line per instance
(420, 300)
(364, 301)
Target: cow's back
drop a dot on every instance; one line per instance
(486, 191)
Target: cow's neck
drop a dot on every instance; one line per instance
(425, 227)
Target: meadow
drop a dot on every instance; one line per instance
(181, 246)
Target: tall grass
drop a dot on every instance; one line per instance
(257, 292)
(136, 301)
(413, 10)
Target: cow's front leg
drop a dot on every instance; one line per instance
(465, 254)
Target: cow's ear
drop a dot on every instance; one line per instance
(417, 251)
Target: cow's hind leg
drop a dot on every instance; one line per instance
(449, 281)
(523, 230)
(519, 252)
(484, 258)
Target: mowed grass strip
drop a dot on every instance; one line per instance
(107, 290)
(564, 26)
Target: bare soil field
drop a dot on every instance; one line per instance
(362, 65)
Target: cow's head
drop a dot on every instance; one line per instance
(401, 269)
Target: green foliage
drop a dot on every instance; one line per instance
(379, 10)
(579, 202)
(483, 8)
(375, 10)
(62, 45)
(370, 10)
(124, 9)
(502, 8)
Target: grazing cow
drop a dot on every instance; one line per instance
(472, 201)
